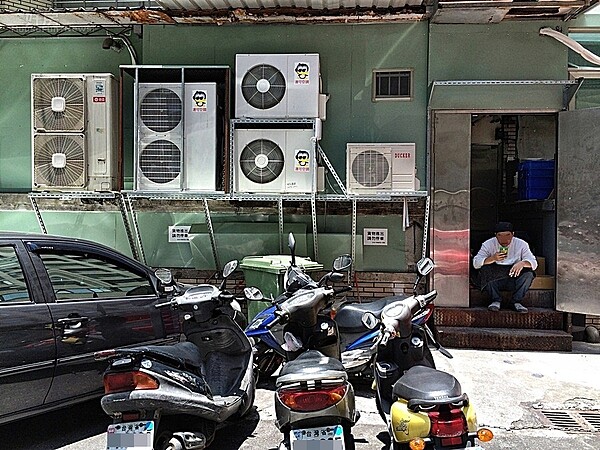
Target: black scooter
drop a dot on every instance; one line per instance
(175, 397)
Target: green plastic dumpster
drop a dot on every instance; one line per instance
(267, 273)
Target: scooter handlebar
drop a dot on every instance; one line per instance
(344, 289)
(425, 299)
(281, 317)
(164, 304)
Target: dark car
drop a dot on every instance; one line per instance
(61, 300)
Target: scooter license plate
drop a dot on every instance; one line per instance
(130, 435)
(318, 438)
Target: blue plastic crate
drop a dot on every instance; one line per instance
(536, 179)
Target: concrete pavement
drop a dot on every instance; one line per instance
(512, 391)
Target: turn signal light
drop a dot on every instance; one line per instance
(306, 401)
(128, 381)
(417, 444)
(485, 435)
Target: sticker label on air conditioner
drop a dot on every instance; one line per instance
(301, 73)
(200, 101)
(99, 92)
(302, 161)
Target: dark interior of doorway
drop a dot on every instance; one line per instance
(499, 142)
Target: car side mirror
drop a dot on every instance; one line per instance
(253, 293)
(369, 320)
(164, 275)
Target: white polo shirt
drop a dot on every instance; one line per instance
(518, 250)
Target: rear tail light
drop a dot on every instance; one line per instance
(314, 400)
(450, 426)
(128, 381)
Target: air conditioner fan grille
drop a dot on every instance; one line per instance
(160, 110)
(370, 168)
(59, 161)
(263, 86)
(58, 104)
(160, 161)
(262, 161)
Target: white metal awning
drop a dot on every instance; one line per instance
(88, 16)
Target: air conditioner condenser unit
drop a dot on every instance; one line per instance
(75, 132)
(375, 167)
(277, 85)
(278, 161)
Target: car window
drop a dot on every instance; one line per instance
(13, 287)
(80, 276)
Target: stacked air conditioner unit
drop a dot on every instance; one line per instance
(274, 160)
(380, 168)
(74, 132)
(176, 137)
(277, 109)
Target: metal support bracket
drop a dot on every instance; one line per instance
(211, 233)
(313, 211)
(331, 170)
(569, 91)
(38, 215)
(280, 219)
(127, 224)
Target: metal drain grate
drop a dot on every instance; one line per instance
(573, 420)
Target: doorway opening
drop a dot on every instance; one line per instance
(513, 179)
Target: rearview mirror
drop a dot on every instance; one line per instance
(342, 262)
(292, 247)
(229, 268)
(164, 275)
(369, 320)
(424, 266)
(253, 293)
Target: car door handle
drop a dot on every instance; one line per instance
(71, 325)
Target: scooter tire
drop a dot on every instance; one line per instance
(349, 439)
(267, 360)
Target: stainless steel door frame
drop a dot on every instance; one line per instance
(578, 212)
(450, 187)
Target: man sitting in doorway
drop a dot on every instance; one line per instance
(506, 264)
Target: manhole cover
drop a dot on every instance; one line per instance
(572, 420)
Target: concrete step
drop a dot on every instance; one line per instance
(538, 298)
(505, 339)
(480, 317)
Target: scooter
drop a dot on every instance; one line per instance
(423, 408)
(356, 340)
(314, 401)
(175, 397)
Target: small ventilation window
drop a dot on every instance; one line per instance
(392, 85)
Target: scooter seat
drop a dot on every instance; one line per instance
(182, 354)
(310, 366)
(349, 316)
(424, 386)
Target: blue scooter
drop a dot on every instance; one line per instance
(356, 339)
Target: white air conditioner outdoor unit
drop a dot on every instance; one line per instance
(279, 161)
(177, 137)
(373, 168)
(74, 132)
(277, 86)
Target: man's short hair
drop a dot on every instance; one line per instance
(503, 226)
